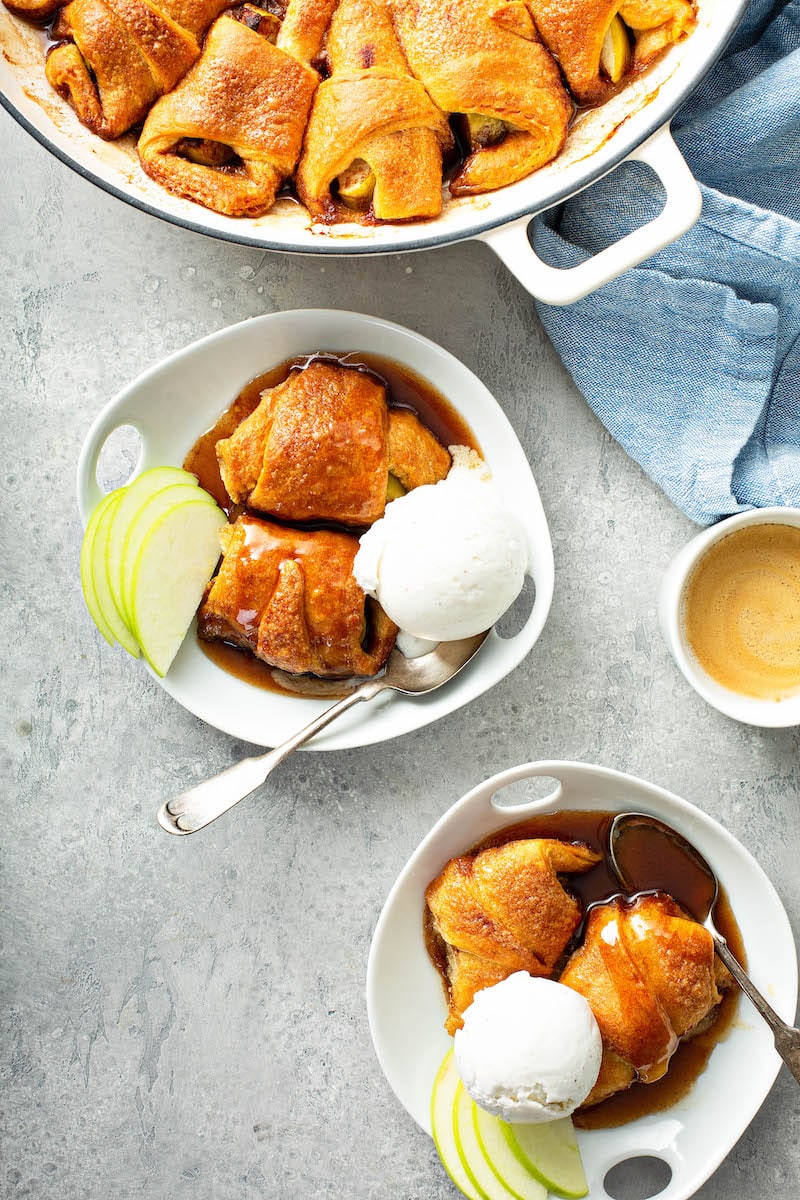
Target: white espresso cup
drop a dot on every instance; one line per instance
(672, 597)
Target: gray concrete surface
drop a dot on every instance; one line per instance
(186, 1018)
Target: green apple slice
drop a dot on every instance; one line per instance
(503, 1160)
(175, 562)
(87, 583)
(100, 579)
(615, 55)
(356, 184)
(442, 1098)
(480, 1171)
(549, 1150)
(137, 493)
(150, 512)
(394, 488)
(483, 131)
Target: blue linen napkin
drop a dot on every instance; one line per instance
(692, 360)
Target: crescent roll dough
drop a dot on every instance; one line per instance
(35, 10)
(321, 446)
(119, 56)
(648, 972)
(504, 910)
(372, 114)
(231, 132)
(289, 596)
(575, 31)
(483, 57)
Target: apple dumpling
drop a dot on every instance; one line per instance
(289, 597)
(598, 42)
(325, 446)
(231, 131)
(375, 138)
(114, 58)
(504, 910)
(484, 62)
(649, 973)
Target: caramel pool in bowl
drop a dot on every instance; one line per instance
(741, 611)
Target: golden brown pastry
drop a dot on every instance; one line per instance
(648, 973)
(504, 910)
(115, 57)
(289, 596)
(415, 456)
(485, 60)
(231, 132)
(575, 31)
(321, 446)
(226, 127)
(35, 10)
(374, 133)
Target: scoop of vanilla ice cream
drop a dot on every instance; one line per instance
(529, 1050)
(447, 559)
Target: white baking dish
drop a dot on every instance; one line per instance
(634, 125)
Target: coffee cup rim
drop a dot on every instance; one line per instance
(750, 710)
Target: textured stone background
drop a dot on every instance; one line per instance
(186, 1018)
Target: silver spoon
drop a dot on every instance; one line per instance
(197, 807)
(642, 844)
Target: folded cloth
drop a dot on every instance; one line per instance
(692, 360)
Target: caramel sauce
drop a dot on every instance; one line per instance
(674, 874)
(245, 666)
(404, 389)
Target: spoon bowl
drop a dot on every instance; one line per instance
(647, 855)
(416, 676)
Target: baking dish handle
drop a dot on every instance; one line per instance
(113, 417)
(555, 286)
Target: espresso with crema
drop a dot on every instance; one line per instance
(741, 611)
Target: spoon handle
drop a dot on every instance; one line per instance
(787, 1039)
(198, 806)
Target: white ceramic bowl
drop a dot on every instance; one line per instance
(748, 709)
(172, 404)
(406, 1002)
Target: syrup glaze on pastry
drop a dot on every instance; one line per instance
(371, 91)
(690, 985)
(289, 596)
(649, 974)
(378, 398)
(322, 445)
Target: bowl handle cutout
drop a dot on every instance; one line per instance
(111, 445)
(641, 1177)
(514, 619)
(556, 286)
(525, 792)
(524, 620)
